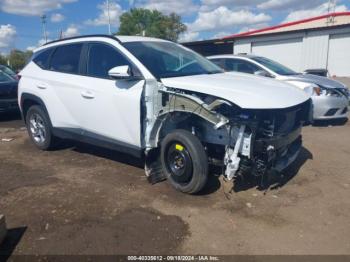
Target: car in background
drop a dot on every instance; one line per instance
(9, 72)
(8, 93)
(317, 72)
(330, 98)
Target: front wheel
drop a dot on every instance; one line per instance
(184, 161)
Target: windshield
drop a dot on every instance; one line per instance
(5, 77)
(274, 66)
(167, 59)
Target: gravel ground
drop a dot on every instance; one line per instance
(87, 200)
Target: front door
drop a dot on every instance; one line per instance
(111, 109)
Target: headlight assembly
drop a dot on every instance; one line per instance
(323, 91)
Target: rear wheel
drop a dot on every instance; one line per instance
(184, 161)
(39, 128)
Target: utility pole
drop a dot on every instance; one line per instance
(331, 9)
(43, 22)
(331, 6)
(109, 19)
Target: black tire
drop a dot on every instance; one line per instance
(49, 142)
(184, 161)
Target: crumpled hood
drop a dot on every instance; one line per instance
(313, 79)
(244, 90)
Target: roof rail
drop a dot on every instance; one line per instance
(83, 36)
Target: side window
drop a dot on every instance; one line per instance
(42, 59)
(66, 58)
(241, 66)
(218, 62)
(103, 58)
(231, 64)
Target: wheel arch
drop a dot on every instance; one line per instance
(164, 125)
(27, 100)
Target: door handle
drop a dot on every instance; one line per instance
(87, 94)
(41, 86)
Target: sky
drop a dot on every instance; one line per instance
(21, 28)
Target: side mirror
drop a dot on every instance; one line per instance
(120, 72)
(263, 73)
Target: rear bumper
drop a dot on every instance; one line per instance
(330, 107)
(7, 105)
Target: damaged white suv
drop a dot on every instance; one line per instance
(158, 100)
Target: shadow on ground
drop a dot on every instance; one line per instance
(106, 153)
(212, 185)
(11, 120)
(12, 239)
(269, 181)
(273, 180)
(332, 122)
(11, 116)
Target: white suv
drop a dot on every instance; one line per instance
(159, 100)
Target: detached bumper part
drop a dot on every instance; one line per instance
(262, 155)
(289, 157)
(231, 157)
(280, 152)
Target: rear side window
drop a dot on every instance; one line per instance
(42, 59)
(66, 59)
(241, 66)
(103, 58)
(218, 62)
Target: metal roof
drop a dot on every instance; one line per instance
(291, 25)
(296, 26)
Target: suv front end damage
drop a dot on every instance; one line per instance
(266, 140)
(243, 141)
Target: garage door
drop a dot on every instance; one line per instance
(339, 55)
(286, 52)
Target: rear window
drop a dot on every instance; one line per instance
(66, 59)
(42, 59)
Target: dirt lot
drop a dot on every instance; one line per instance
(85, 200)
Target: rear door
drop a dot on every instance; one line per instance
(63, 84)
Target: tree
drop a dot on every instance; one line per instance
(139, 21)
(3, 60)
(18, 59)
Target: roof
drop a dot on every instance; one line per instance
(125, 39)
(120, 39)
(314, 22)
(233, 56)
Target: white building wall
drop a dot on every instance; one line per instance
(339, 55)
(277, 50)
(312, 49)
(242, 47)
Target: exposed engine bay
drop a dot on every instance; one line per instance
(242, 141)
